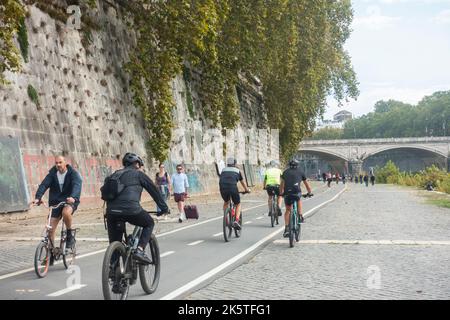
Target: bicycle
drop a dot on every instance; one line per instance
(274, 210)
(120, 269)
(46, 247)
(295, 223)
(229, 217)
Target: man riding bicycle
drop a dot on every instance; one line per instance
(65, 184)
(126, 206)
(290, 188)
(272, 180)
(229, 178)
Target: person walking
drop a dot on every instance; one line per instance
(164, 185)
(366, 180)
(180, 185)
(372, 179)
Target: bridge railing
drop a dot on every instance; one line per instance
(376, 141)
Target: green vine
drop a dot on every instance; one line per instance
(11, 14)
(33, 95)
(22, 37)
(187, 79)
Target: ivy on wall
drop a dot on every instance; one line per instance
(295, 47)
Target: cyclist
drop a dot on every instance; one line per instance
(272, 180)
(229, 177)
(290, 188)
(65, 186)
(126, 206)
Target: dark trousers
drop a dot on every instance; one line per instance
(116, 225)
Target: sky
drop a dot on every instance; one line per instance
(400, 50)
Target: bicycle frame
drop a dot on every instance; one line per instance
(48, 227)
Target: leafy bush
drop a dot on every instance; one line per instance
(440, 179)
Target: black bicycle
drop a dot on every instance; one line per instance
(275, 210)
(229, 217)
(46, 249)
(120, 268)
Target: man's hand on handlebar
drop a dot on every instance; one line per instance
(36, 202)
(309, 195)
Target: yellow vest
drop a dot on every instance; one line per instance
(273, 177)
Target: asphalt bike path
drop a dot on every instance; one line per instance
(191, 257)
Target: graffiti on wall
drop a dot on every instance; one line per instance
(13, 190)
(92, 170)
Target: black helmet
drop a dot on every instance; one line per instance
(130, 158)
(293, 163)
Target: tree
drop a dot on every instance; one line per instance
(11, 14)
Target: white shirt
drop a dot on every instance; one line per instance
(180, 183)
(61, 177)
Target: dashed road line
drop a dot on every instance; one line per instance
(195, 243)
(168, 253)
(67, 290)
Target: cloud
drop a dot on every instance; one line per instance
(374, 20)
(442, 17)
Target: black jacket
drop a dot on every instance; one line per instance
(128, 202)
(71, 188)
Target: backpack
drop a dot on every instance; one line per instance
(112, 187)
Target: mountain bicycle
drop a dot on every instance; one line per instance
(47, 251)
(295, 223)
(229, 217)
(274, 210)
(120, 269)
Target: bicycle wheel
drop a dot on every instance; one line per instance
(298, 229)
(114, 285)
(237, 232)
(42, 259)
(292, 223)
(149, 274)
(227, 221)
(69, 255)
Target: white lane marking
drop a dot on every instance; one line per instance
(195, 242)
(217, 234)
(259, 218)
(216, 270)
(372, 242)
(165, 254)
(248, 222)
(203, 222)
(67, 290)
(9, 275)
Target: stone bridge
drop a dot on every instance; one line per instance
(356, 152)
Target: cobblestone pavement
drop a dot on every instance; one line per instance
(351, 271)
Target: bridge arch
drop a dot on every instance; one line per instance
(323, 152)
(394, 147)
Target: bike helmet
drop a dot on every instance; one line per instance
(274, 163)
(131, 158)
(293, 163)
(231, 161)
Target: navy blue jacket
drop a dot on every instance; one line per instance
(71, 187)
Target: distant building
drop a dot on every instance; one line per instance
(343, 116)
(339, 119)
